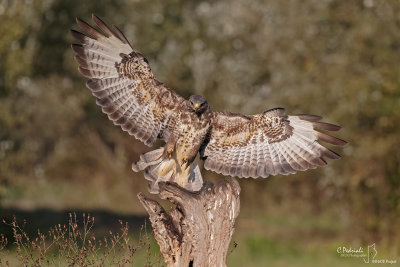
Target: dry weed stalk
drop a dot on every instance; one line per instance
(74, 244)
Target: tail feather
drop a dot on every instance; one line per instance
(148, 159)
(158, 169)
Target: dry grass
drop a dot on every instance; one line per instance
(74, 244)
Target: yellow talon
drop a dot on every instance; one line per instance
(169, 151)
(184, 160)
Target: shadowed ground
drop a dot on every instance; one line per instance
(44, 219)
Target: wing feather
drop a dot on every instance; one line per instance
(295, 162)
(103, 26)
(122, 82)
(284, 159)
(267, 144)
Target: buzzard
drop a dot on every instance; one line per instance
(232, 144)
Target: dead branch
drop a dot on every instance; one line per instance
(198, 231)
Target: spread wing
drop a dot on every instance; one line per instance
(122, 82)
(267, 144)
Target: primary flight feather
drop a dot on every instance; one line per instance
(239, 145)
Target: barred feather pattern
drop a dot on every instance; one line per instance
(266, 144)
(123, 84)
(259, 145)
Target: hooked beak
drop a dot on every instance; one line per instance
(196, 107)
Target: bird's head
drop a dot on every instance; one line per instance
(198, 103)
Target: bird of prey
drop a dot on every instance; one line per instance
(232, 144)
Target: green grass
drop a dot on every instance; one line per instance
(256, 250)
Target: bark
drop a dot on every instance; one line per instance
(198, 231)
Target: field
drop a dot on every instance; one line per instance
(266, 241)
(339, 59)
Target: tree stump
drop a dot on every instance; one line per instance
(198, 231)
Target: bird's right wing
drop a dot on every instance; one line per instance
(123, 84)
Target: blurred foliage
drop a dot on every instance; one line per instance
(333, 58)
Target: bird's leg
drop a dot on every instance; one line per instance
(190, 155)
(184, 161)
(188, 159)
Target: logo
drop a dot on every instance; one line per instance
(371, 253)
(368, 255)
(349, 252)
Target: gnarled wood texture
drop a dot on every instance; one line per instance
(198, 231)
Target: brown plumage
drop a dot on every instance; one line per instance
(259, 145)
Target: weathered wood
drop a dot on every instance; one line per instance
(198, 231)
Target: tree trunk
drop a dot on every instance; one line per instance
(198, 231)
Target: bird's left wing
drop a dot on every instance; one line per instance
(123, 84)
(267, 144)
